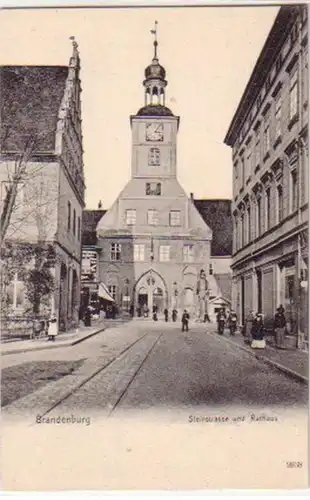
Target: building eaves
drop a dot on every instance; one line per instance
(276, 37)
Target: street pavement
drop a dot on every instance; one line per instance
(142, 365)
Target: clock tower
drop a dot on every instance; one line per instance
(154, 127)
(154, 243)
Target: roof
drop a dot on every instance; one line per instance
(266, 59)
(217, 215)
(90, 219)
(31, 97)
(154, 110)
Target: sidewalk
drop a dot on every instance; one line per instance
(71, 337)
(293, 362)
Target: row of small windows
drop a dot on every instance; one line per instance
(73, 222)
(291, 40)
(267, 134)
(139, 253)
(257, 218)
(152, 217)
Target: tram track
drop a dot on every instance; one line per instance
(104, 391)
(98, 387)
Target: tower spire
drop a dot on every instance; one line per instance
(155, 43)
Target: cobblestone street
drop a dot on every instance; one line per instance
(144, 365)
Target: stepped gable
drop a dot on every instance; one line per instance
(31, 97)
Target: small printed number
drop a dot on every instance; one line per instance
(294, 465)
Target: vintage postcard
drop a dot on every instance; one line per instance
(154, 177)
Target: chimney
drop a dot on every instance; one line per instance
(192, 196)
(99, 205)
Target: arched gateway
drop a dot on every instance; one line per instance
(151, 289)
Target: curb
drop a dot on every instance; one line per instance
(264, 359)
(53, 346)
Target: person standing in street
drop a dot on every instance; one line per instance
(87, 317)
(248, 327)
(185, 320)
(52, 328)
(232, 322)
(166, 314)
(279, 327)
(221, 319)
(258, 334)
(174, 315)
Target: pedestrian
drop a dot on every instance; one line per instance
(185, 320)
(87, 316)
(248, 327)
(166, 314)
(145, 311)
(52, 328)
(174, 315)
(279, 327)
(232, 322)
(221, 319)
(131, 310)
(206, 318)
(258, 334)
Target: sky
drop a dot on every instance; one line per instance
(208, 54)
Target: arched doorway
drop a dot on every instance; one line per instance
(150, 289)
(158, 299)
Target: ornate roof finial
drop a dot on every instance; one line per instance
(154, 32)
(74, 42)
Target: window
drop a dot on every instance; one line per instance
(236, 184)
(138, 252)
(130, 217)
(267, 197)
(79, 228)
(248, 164)
(279, 203)
(112, 291)
(294, 190)
(237, 234)
(242, 172)
(152, 217)
(69, 216)
(188, 253)
(153, 189)
(249, 224)
(278, 117)
(175, 218)
(242, 231)
(211, 268)
(259, 216)
(154, 156)
(164, 253)
(266, 135)
(293, 94)
(115, 251)
(74, 221)
(257, 148)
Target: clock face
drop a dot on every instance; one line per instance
(155, 132)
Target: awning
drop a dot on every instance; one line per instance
(103, 292)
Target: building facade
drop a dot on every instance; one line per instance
(269, 140)
(41, 136)
(155, 245)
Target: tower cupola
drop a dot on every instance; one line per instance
(154, 85)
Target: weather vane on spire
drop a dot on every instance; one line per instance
(154, 32)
